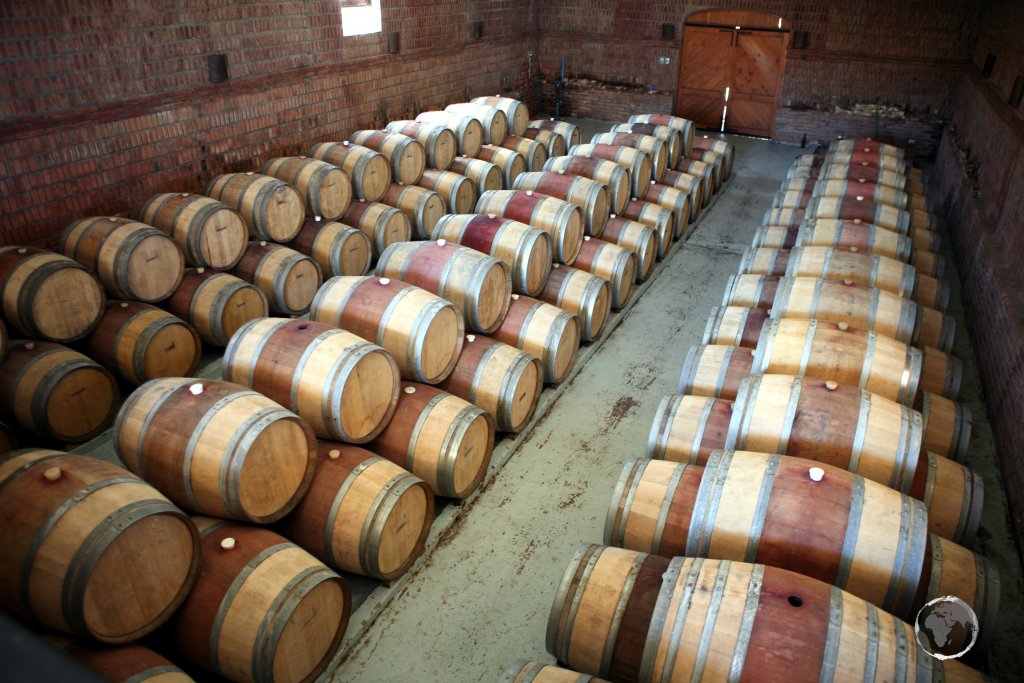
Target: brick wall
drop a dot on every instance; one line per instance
(104, 102)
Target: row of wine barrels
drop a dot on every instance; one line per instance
(338, 249)
(616, 178)
(582, 294)
(325, 189)
(439, 144)
(509, 162)
(835, 233)
(210, 233)
(562, 220)
(553, 143)
(855, 172)
(590, 195)
(672, 137)
(369, 170)
(272, 208)
(484, 175)
(468, 131)
(638, 163)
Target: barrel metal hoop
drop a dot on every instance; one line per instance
(833, 635)
(742, 413)
(900, 557)
(860, 435)
(723, 371)
(152, 673)
(805, 353)
(236, 452)
(854, 517)
(902, 650)
(689, 370)
(787, 424)
(746, 625)
(871, 646)
(657, 437)
(410, 453)
(705, 505)
(558, 643)
(449, 449)
(666, 507)
(259, 204)
(707, 634)
(761, 508)
(868, 365)
(680, 617)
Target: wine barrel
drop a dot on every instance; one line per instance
(286, 277)
(439, 143)
(516, 112)
(561, 220)
(468, 131)
(95, 551)
(369, 170)
(610, 262)
(672, 137)
(511, 163)
(676, 201)
(881, 194)
(719, 146)
(940, 372)
(715, 370)
(685, 126)
(422, 207)
(735, 325)
(658, 217)
(879, 159)
(789, 199)
(479, 285)
(927, 262)
(569, 131)
(590, 195)
(484, 175)
(124, 664)
(55, 392)
(533, 153)
(830, 232)
(866, 145)
(839, 528)
(325, 189)
(583, 294)
(713, 159)
(362, 514)
(272, 208)
(638, 238)
(343, 385)
(552, 142)
(688, 428)
(405, 154)
(706, 172)
(440, 438)
(860, 207)
(785, 217)
(754, 291)
(141, 342)
(856, 172)
(383, 224)
(544, 331)
(947, 425)
(132, 260)
(337, 248)
(493, 120)
(955, 570)
(457, 191)
(656, 148)
(954, 494)
(263, 610)
(608, 173)
(637, 162)
(48, 296)
(208, 232)
(690, 185)
(421, 331)
(216, 448)
(216, 304)
(499, 378)
(526, 250)
(528, 671)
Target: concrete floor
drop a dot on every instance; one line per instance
(481, 598)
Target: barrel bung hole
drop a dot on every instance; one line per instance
(795, 600)
(303, 326)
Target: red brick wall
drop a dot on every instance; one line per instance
(101, 106)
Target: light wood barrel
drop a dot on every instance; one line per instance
(927, 262)
(421, 331)
(881, 194)
(610, 262)
(655, 216)
(855, 172)
(955, 570)
(421, 206)
(458, 192)
(439, 143)
(638, 238)
(860, 207)
(688, 428)
(590, 195)
(215, 447)
(637, 162)
(544, 331)
(141, 342)
(614, 177)
(362, 514)
(954, 494)
(369, 170)
(383, 224)
(48, 296)
(656, 148)
(510, 162)
(440, 438)
(533, 153)
(672, 137)
(706, 172)
(528, 671)
(405, 154)
(839, 352)
(790, 199)
(124, 664)
(325, 189)
(683, 125)
(337, 248)
(842, 529)
(866, 145)
(826, 232)
(216, 304)
(713, 159)
(516, 112)
(286, 277)
(754, 291)
(876, 158)
(552, 142)
(499, 378)
(715, 370)
(132, 260)
(785, 217)
(343, 385)
(569, 131)
(484, 175)
(272, 208)
(526, 250)
(692, 185)
(583, 294)
(940, 372)
(561, 220)
(263, 610)
(720, 146)
(56, 392)
(734, 325)
(96, 551)
(479, 285)
(947, 425)
(676, 201)
(468, 131)
(208, 232)
(493, 119)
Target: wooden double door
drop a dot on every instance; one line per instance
(731, 73)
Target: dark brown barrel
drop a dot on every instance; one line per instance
(132, 260)
(550, 140)
(216, 304)
(344, 386)
(215, 447)
(735, 325)
(272, 208)
(715, 370)
(544, 331)
(583, 294)
(141, 342)
(362, 514)
(641, 239)
(208, 232)
(126, 663)
(263, 609)
(55, 392)
(288, 278)
(405, 154)
(590, 195)
(533, 152)
(484, 175)
(337, 248)
(637, 162)
(610, 262)
(7, 440)
(439, 143)
(325, 189)
(510, 162)
(688, 428)
(48, 296)
(515, 111)
(609, 173)
(655, 216)
(458, 192)
(493, 119)
(570, 132)
(383, 224)
(562, 220)
(421, 206)
(369, 170)
(95, 552)
(440, 438)
(468, 131)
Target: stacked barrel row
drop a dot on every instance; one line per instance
(791, 492)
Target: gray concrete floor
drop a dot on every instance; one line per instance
(481, 598)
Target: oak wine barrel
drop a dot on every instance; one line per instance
(272, 208)
(590, 195)
(534, 153)
(439, 143)
(637, 162)
(560, 219)
(866, 145)
(642, 240)
(325, 189)
(552, 142)
(699, 169)
(493, 119)
(544, 331)
(468, 131)
(685, 126)
(672, 137)
(735, 325)
(676, 201)
(208, 232)
(715, 370)
(288, 278)
(656, 148)
(859, 207)
(337, 248)
(123, 664)
(421, 206)
(569, 131)
(583, 294)
(383, 224)
(406, 155)
(529, 671)
(614, 177)
(688, 428)
(483, 174)
(458, 192)
(655, 216)
(692, 185)
(947, 425)
(511, 163)
(369, 170)
(720, 146)
(610, 262)
(956, 570)
(516, 112)
(216, 304)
